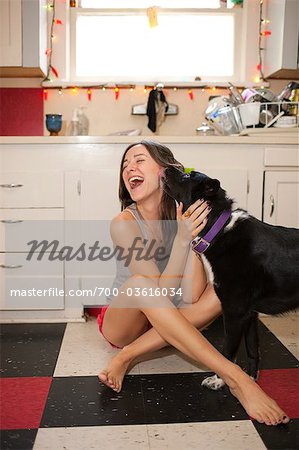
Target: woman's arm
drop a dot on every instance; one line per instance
(195, 280)
(125, 231)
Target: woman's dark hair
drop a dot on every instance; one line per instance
(164, 157)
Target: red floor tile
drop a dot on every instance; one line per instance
(283, 386)
(23, 401)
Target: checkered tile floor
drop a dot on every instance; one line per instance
(51, 397)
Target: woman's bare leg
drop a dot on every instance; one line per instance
(199, 314)
(167, 320)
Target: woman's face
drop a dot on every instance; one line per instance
(141, 173)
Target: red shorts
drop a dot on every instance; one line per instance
(101, 315)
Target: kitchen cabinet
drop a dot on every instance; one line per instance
(281, 48)
(281, 186)
(282, 198)
(99, 194)
(11, 33)
(23, 38)
(31, 208)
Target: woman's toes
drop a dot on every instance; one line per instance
(103, 377)
(285, 419)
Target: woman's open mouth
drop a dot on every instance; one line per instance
(135, 182)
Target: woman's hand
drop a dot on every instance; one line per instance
(193, 221)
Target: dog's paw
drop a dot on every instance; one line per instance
(214, 383)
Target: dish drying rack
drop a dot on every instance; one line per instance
(279, 109)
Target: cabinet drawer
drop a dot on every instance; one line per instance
(17, 224)
(282, 156)
(35, 189)
(35, 284)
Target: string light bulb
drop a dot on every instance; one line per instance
(190, 93)
(266, 33)
(60, 91)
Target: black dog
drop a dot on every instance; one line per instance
(255, 265)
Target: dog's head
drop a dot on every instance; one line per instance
(189, 187)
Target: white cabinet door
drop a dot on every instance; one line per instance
(99, 194)
(281, 198)
(281, 48)
(235, 182)
(10, 33)
(30, 284)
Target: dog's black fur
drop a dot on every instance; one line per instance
(255, 265)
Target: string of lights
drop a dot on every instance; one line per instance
(263, 33)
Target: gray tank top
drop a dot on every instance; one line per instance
(122, 271)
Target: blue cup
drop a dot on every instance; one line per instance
(53, 123)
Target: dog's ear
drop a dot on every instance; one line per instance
(212, 186)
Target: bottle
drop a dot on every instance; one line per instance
(286, 93)
(83, 121)
(74, 129)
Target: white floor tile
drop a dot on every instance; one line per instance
(238, 435)
(84, 351)
(130, 437)
(286, 329)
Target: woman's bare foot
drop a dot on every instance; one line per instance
(114, 374)
(257, 403)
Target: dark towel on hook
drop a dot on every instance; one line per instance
(151, 108)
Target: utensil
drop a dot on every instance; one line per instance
(274, 120)
(235, 94)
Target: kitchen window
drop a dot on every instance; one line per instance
(190, 43)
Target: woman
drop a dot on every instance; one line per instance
(141, 324)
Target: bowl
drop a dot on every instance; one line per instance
(53, 123)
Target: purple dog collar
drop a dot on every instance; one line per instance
(201, 244)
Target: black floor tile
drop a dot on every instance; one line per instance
(282, 437)
(274, 355)
(84, 401)
(145, 399)
(17, 439)
(180, 398)
(29, 350)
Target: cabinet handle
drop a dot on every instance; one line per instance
(11, 185)
(11, 221)
(272, 204)
(11, 266)
(79, 187)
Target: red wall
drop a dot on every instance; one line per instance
(21, 112)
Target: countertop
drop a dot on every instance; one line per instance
(259, 136)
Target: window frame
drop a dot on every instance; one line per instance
(237, 13)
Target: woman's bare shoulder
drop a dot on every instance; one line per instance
(124, 225)
(125, 215)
